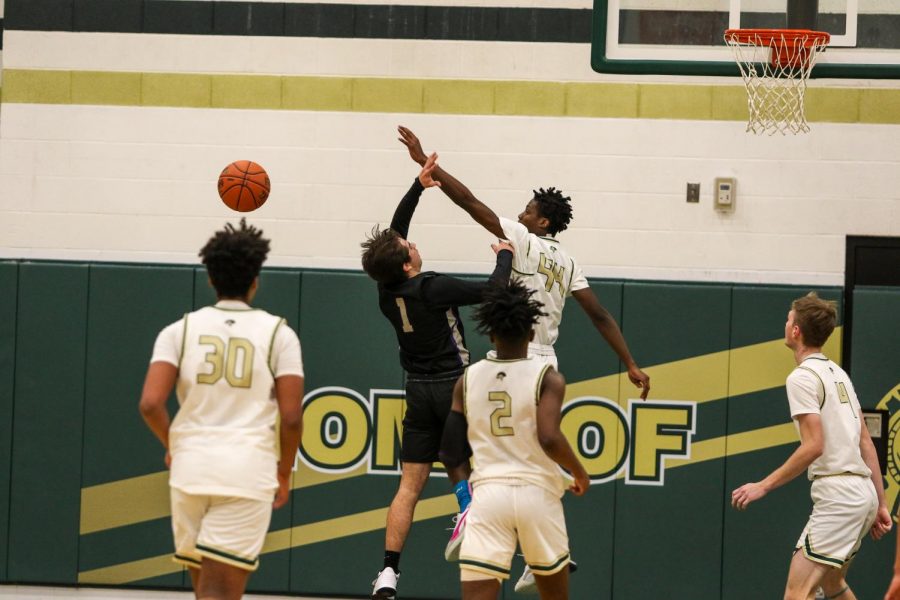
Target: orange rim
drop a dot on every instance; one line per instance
(805, 38)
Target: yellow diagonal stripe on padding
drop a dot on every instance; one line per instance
(700, 379)
(301, 535)
(144, 498)
(441, 506)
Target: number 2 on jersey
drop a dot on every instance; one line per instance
(228, 359)
(504, 410)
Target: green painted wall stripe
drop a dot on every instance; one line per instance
(432, 96)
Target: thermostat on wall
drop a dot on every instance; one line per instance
(725, 189)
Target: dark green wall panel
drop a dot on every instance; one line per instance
(581, 350)
(47, 434)
(875, 345)
(9, 272)
(128, 308)
(665, 322)
(129, 305)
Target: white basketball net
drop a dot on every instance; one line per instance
(775, 72)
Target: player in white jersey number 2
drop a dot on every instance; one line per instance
(235, 370)
(508, 409)
(837, 453)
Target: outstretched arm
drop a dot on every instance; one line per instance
(404, 212)
(455, 190)
(450, 291)
(609, 329)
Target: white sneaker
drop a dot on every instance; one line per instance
(526, 583)
(451, 552)
(385, 585)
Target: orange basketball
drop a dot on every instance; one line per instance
(244, 186)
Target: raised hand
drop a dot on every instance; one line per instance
(502, 245)
(409, 139)
(425, 177)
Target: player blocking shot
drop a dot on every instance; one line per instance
(508, 409)
(237, 371)
(837, 453)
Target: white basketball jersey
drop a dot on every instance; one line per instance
(500, 399)
(223, 438)
(820, 386)
(543, 265)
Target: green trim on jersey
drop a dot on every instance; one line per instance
(183, 338)
(540, 381)
(813, 555)
(523, 273)
(272, 346)
(465, 395)
(228, 555)
(486, 566)
(821, 383)
(186, 560)
(554, 565)
(248, 309)
(505, 360)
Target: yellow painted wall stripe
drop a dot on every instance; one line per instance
(699, 379)
(441, 506)
(433, 96)
(144, 498)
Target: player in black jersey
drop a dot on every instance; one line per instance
(423, 308)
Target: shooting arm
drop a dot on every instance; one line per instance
(404, 213)
(455, 190)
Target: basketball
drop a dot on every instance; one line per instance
(244, 186)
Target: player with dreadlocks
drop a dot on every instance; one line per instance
(544, 265)
(227, 362)
(508, 409)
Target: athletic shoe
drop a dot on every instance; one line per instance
(385, 585)
(451, 552)
(526, 583)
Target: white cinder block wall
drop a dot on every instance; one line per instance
(119, 183)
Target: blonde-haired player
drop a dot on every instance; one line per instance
(236, 370)
(838, 454)
(508, 409)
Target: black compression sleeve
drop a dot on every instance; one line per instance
(404, 213)
(444, 290)
(455, 448)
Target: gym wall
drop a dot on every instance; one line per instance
(117, 117)
(85, 489)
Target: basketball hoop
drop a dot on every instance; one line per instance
(775, 65)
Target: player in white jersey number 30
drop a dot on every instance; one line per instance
(235, 370)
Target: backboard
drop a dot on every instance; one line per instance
(684, 37)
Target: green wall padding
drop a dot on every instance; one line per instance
(713, 351)
(9, 284)
(48, 421)
(764, 535)
(666, 322)
(129, 305)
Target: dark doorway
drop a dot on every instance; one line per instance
(871, 260)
